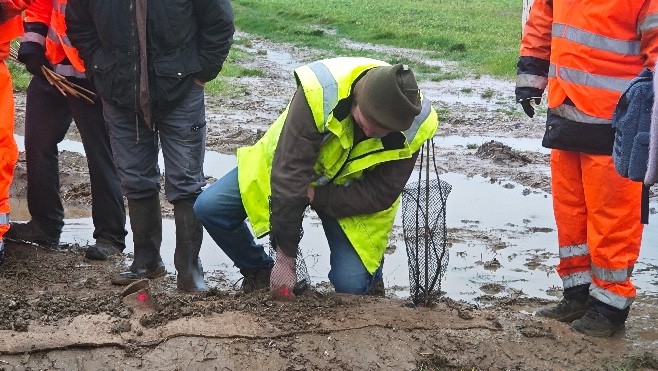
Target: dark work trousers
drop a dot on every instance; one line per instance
(182, 134)
(48, 116)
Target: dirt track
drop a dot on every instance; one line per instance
(58, 311)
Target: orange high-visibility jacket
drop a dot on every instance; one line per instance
(595, 48)
(53, 36)
(9, 30)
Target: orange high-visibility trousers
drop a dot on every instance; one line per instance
(597, 212)
(8, 149)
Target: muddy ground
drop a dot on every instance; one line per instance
(58, 311)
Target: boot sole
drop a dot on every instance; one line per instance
(157, 273)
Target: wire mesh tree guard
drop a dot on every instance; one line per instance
(424, 229)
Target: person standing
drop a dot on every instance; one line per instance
(586, 53)
(11, 27)
(48, 116)
(149, 61)
(345, 145)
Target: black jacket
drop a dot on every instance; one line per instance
(186, 39)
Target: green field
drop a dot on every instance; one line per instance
(484, 35)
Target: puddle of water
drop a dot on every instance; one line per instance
(526, 250)
(484, 93)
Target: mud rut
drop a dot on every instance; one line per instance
(58, 311)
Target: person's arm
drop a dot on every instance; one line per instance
(12, 8)
(81, 30)
(649, 33)
(292, 173)
(214, 36)
(377, 190)
(32, 51)
(535, 54)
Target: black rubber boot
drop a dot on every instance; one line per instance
(146, 225)
(255, 279)
(189, 235)
(572, 306)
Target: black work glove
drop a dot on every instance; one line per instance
(525, 96)
(33, 55)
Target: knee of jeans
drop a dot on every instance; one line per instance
(201, 208)
(357, 284)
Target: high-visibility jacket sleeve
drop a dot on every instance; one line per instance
(11, 8)
(648, 27)
(81, 30)
(535, 53)
(40, 11)
(37, 21)
(536, 41)
(214, 36)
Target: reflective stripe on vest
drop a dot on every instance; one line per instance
(610, 298)
(648, 23)
(626, 47)
(4, 219)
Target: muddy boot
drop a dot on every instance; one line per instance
(189, 235)
(572, 306)
(102, 250)
(146, 224)
(597, 325)
(30, 232)
(255, 279)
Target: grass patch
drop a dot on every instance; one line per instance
(19, 76)
(484, 35)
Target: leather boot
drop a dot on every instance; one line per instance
(572, 306)
(146, 225)
(189, 235)
(596, 324)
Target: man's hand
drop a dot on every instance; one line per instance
(33, 55)
(284, 276)
(525, 96)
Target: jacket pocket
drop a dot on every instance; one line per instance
(103, 72)
(173, 78)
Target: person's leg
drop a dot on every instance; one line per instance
(614, 238)
(183, 137)
(347, 273)
(222, 213)
(8, 149)
(571, 219)
(107, 205)
(47, 119)
(135, 151)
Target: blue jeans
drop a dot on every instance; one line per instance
(222, 213)
(182, 134)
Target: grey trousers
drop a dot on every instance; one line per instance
(182, 134)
